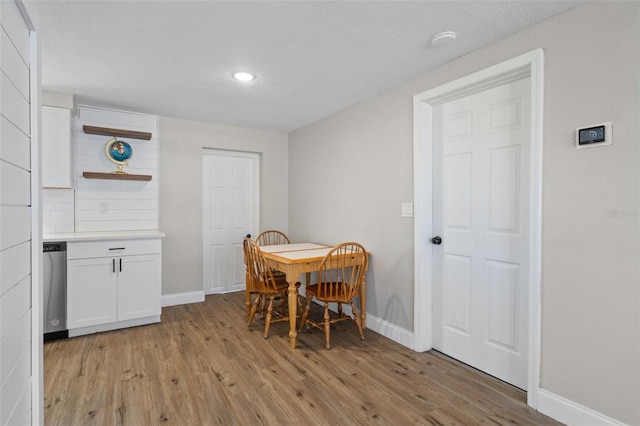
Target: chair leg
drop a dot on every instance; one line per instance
(284, 297)
(356, 319)
(305, 314)
(267, 322)
(263, 301)
(299, 298)
(254, 308)
(327, 325)
(247, 302)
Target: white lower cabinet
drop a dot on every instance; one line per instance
(112, 284)
(138, 286)
(92, 292)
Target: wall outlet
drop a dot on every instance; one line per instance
(103, 208)
(407, 209)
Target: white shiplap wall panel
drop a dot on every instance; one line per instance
(120, 215)
(14, 26)
(99, 192)
(138, 204)
(116, 225)
(15, 225)
(18, 379)
(15, 265)
(14, 145)
(13, 65)
(14, 304)
(13, 105)
(115, 205)
(16, 354)
(117, 119)
(13, 180)
(22, 412)
(137, 164)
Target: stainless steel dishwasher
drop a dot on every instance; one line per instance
(55, 290)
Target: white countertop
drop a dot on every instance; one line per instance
(95, 236)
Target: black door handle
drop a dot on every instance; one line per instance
(248, 235)
(436, 240)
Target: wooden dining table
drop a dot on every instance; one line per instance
(302, 258)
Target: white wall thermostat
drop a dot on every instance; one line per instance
(594, 136)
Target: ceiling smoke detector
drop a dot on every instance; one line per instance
(443, 39)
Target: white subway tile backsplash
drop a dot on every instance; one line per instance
(58, 210)
(65, 228)
(51, 198)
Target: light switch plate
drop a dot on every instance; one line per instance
(407, 209)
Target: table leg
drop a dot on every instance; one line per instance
(293, 308)
(363, 302)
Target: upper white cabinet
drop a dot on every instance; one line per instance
(56, 147)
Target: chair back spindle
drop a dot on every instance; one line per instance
(272, 238)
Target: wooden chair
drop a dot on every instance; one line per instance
(249, 281)
(339, 279)
(261, 282)
(272, 238)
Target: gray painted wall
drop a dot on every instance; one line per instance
(181, 147)
(350, 173)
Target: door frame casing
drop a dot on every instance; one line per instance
(257, 157)
(531, 64)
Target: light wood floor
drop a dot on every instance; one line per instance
(203, 366)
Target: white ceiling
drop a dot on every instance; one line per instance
(312, 58)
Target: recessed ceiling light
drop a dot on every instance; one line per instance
(243, 76)
(444, 38)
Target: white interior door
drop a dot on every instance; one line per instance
(230, 211)
(481, 211)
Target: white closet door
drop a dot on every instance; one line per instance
(481, 196)
(230, 212)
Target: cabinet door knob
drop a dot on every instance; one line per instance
(436, 240)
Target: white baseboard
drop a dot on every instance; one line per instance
(552, 405)
(569, 412)
(182, 298)
(391, 331)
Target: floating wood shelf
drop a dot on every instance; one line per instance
(115, 176)
(105, 131)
